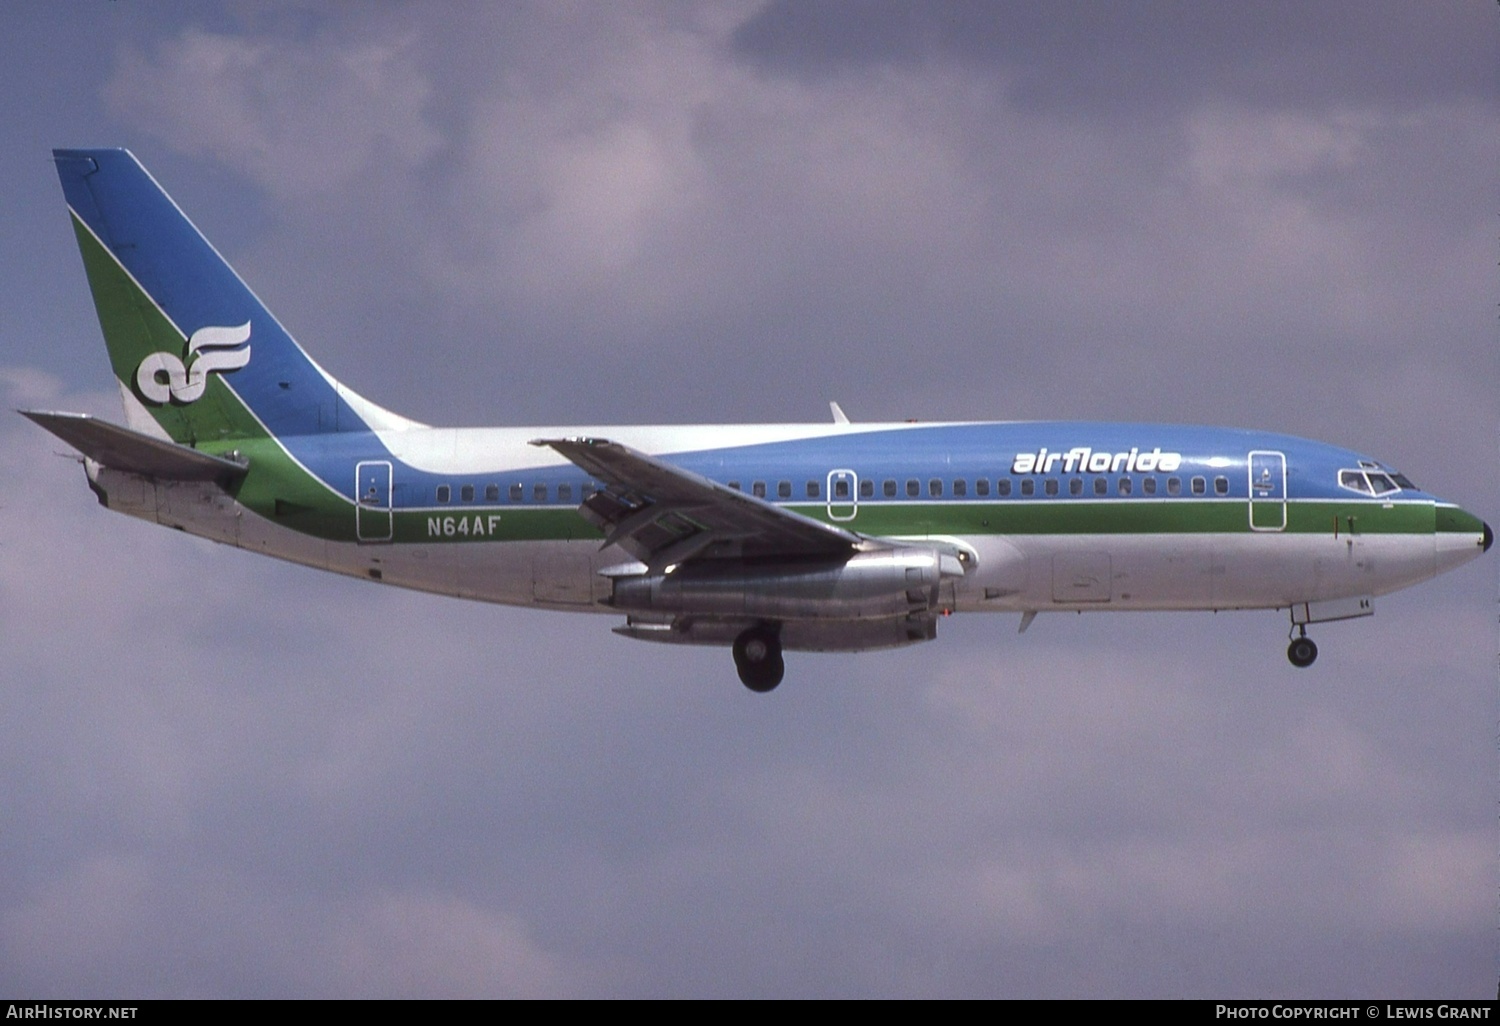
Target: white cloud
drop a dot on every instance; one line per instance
(1257, 146)
(435, 946)
(300, 117)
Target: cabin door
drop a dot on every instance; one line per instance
(1267, 491)
(842, 497)
(372, 506)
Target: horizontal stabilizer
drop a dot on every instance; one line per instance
(123, 449)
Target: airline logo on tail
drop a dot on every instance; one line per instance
(162, 377)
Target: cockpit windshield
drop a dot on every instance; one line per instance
(1373, 479)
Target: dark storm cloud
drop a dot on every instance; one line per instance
(1138, 60)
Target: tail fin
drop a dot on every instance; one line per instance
(198, 357)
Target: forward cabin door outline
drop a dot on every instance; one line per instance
(843, 492)
(372, 513)
(1267, 490)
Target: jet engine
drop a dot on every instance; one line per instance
(869, 585)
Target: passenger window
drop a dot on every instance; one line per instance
(1002, 487)
(735, 485)
(1123, 486)
(813, 488)
(935, 488)
(841, 488)
(982, 487)
(1075, 486)
(515, 493)
(539, 492)
(867, 489)
(1148, 485)
(1050, 487)
(466, 493)
(564, 493)
(1174, 486)
(783, 489)
(1101, 486)
(758, 489)
(492, 493)
(913, 488)
(1221, 485)
(888, 488)
(1199, 486)
(1028, 486)
(444, 493)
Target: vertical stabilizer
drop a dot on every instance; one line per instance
(195, 352)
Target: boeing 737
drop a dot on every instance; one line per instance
(836, 536)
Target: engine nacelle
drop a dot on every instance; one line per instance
(869, 585)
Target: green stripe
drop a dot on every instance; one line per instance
(1163, 516)
(134, 328)
(1452, 520)
(277, 488)
(1172, 516)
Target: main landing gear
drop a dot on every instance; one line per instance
(1302, 652)
(757, 656)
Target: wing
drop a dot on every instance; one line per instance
(123, 449)
(663, 515)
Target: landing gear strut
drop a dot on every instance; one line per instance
(757, 656)
(1302, 652)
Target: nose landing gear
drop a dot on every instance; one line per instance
(757, 657)
(1302, 652)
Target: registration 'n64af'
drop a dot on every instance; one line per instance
(762, 538)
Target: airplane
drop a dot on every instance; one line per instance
(764, 538)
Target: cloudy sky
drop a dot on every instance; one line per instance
(224, 776)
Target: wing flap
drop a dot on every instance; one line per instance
(123, 449)
(662, 514)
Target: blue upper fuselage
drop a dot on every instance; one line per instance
(931, 462)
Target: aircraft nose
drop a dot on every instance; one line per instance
(1460, 537)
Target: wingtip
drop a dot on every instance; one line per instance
(573, 440)
(42, 416)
